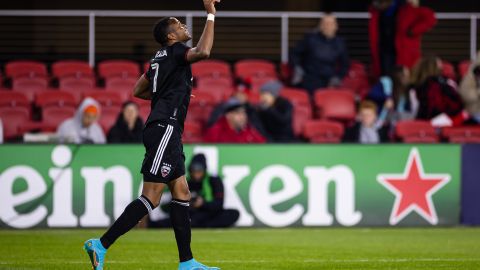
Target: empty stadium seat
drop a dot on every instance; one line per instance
(55, 99)
(211, 69)
(11, 99)
(463, 68)
(302, 110)
(466, 134)
(219, 88)
(335, 104)
(72, 68)
(21, 68)
(53, 116)
(252, 68)
(108, 117)
(118, 68)
(144, 111)
(201, 105)
(416, 131)
(12, 118)
(77, 86)
(105, 98)
(29, 86)
(320, 131)
(448, 70)
(192, 132)
(123, 86)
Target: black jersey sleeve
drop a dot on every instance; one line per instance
(180, 51)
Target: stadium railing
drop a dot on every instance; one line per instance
(189, 16)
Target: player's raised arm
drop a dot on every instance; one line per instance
(205, 43)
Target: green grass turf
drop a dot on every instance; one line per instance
(237, 249)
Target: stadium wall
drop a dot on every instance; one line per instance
(271, 185)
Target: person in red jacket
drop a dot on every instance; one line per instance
(395, 29)
(233, 127)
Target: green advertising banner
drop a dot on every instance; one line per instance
(271, 185)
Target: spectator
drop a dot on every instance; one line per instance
(367, 129)
(275, 112)
(233, 127)
(321, 58)
(470, 90)
(396, 28)
(83, 127)
(242, 93)
(129, 126)
(206, 205)
(394, 97)
(437, 95)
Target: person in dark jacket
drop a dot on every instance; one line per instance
(439, 99)
(128, 128)
(396, 28)
(367, 129)
(276, 112)
(207, 197)
(321, 58)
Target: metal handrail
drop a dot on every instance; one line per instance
(189, 14)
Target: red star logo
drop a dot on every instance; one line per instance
(413, 190)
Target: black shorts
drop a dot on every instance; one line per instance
(164, 158)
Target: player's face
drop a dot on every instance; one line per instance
(180, 30)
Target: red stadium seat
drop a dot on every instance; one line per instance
(219, 88)
(118, 68)
(302, 109)
(192, 132)
(108, 117)
(416, 132)
(463, 68)
(335, 104)
(252, 68)
(30, 86)
(123, 86)
(11, 99)
(20, 68)
(12, 118)
(55, 99)
(144, 111)
(201, 105)
(211, 69)
(146, 66)
(53, 116)
(105, 98)
(319, 131)
(77, 86)
(72, 68)
(448, 70)
(467, 134)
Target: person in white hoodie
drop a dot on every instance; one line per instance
(83, 127)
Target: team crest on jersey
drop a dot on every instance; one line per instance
(165, 169)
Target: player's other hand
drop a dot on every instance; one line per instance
(210, 6)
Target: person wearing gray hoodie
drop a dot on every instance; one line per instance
(83, 127)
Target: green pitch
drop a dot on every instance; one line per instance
(237, 249)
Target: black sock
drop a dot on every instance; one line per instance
(132, 214)
(181, 226)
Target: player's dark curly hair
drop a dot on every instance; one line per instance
(162, 29)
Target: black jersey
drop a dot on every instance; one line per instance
(170, 78)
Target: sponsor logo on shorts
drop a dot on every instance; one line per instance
(165, 169)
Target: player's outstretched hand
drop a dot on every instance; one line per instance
(210, 6)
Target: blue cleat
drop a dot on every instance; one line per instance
(96, 252)
(194, 265)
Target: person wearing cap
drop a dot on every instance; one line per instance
(83, 127)
(233, 126)
(242, 92)
(275, 112)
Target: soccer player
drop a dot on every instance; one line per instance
(168, 84)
